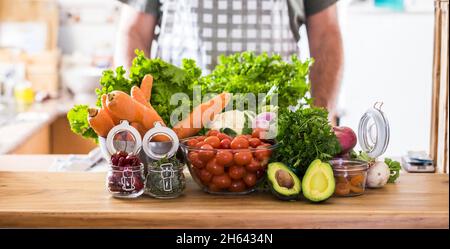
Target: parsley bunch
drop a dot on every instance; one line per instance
(303, 136)
(394, 168)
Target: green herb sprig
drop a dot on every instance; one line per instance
(303, 136)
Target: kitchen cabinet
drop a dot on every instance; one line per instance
(61, 133)
(57, 199)
(43, 129)
(51, 138)
(37, 143)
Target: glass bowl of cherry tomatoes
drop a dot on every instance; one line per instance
(222, 164)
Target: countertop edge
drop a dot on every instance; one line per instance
(213, 220)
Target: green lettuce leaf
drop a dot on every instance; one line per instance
(249, 73)
(78, 119)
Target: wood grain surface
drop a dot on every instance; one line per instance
(49, 199)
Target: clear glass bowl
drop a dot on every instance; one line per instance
(350, 176)
(235, 177)
(125, 182)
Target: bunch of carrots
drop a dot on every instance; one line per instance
(136, 108)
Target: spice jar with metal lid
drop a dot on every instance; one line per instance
(125, 177)
(165, 178)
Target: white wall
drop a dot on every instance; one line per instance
(388, 57)
(88, 26)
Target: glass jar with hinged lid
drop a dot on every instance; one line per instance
(165, 178)
(125, 177)
(373, 136)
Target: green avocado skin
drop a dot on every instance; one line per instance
(282, 197)
(313, 167)
(281, 192)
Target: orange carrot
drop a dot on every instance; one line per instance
(138, 95)
(124, 107)
(146, 86)
(100, 121)
(139, 127)
(114, 118)
(191, 125)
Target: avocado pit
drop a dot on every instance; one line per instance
(284, 179)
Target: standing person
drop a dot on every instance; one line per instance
(204, 29)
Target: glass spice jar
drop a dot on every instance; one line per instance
(350, 176)
(125, 182)
(165, 179)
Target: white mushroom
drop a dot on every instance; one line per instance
(378, 175)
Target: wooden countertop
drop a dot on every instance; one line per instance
(51, 199)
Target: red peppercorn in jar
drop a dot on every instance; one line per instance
(126, 181)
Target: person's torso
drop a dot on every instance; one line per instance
(204, 29)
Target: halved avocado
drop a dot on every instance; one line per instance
(283, 182)
(318, 181)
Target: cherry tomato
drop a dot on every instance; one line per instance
(224, 157)
(262, 152)
(213, 187)
(213, 141)
(237, 186)
(225, 143)
(192, 155)
(212, 133)
(246, 137)
(236, 172)
(239, 143)
(206, 152)
(214, 168)
(250, 179)
(223, 136)
(195, 160)
(192, 142)
(259, 174)
(205, 176)
(243, 157)
(253, 166)
(198, 164)
(257, 132)
(222, 181)
(200, 144)
(254, 142)
(200, 138)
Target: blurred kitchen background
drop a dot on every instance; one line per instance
(56, 49)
